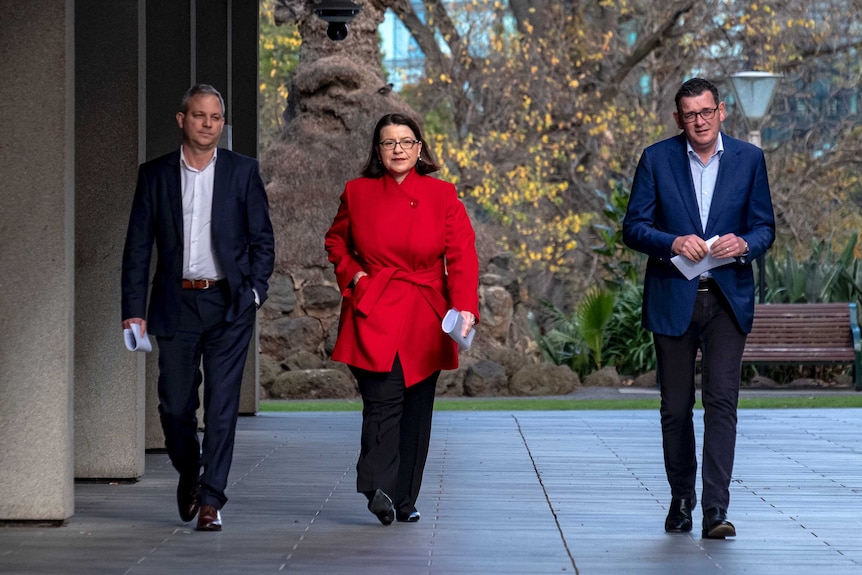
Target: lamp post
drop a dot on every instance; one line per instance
(754, 92)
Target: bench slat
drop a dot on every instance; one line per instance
(805, 334)
(800, 333)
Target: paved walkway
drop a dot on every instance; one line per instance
(578, 492)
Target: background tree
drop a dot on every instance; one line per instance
(335, 96)
(539, 110)
(555, 107)
(278, 56)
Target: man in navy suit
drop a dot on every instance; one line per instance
(688, 189)
(207, 212)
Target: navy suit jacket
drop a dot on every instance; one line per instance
(663, 206)
(242, 239)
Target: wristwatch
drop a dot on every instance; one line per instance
(745, 252)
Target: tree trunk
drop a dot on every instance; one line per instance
(337, 95)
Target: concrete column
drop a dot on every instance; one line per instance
(249, 395)
(109, 384)
(37, 259)
(243, 81)
(167, 69)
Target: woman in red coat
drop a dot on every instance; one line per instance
(404, 252)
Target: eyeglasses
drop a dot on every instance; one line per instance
(406, 144)
(707, 114)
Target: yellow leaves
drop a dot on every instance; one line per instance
(518, 196)
(606, 40)
(445, 79)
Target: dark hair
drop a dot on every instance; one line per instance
(374, 165)
(196, 90)
(695, 87)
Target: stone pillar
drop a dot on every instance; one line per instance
(244, 33)
(249, 394)
(37, 258)
(109, 380)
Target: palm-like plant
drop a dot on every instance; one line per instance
(577, 339)
(629, 345)
(594, 312)
(823, 277)
(561, 344)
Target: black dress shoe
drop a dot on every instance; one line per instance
(716, 525)
(187, 499)
(407, 516)
(381, 506)
(679, 516)
(209, 519)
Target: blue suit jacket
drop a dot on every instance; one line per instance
(241, 234)
(663, 206)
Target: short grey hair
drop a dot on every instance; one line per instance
(196, 90)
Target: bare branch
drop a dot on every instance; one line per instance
(646, 46)
(423, 34)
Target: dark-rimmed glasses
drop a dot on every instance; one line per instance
(690, 117)
(406, 144)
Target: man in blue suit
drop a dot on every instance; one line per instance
(688, 189)
(207, 212)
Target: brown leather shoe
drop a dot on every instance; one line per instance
(187, 499)
(209, 519)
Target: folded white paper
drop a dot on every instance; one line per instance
(692, 269)
(135, 341)
(452, 323)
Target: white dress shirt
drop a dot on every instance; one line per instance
(199, 259)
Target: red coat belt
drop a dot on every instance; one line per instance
(425, 279)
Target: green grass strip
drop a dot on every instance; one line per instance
(557, 404)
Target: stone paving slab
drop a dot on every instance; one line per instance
(577, 492)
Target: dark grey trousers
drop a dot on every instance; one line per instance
(714, 331)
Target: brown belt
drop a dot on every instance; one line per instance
(199, 284)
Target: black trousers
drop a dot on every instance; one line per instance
(714, 331)
(203, 333)
(396, 432)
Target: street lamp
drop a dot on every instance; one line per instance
(754, 92)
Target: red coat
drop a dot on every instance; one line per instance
(399, 235)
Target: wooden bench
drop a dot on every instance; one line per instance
(809, 334)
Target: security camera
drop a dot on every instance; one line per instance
(338, 13)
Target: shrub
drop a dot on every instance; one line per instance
(630, 345)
